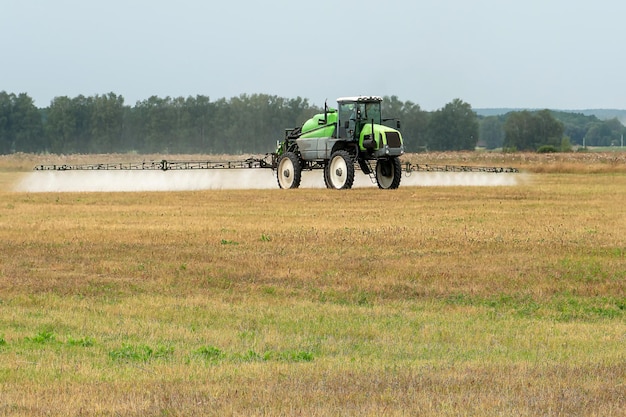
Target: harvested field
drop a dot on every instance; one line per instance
(432, 301)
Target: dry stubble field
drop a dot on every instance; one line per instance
(428, 301)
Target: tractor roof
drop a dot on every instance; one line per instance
(359, 99)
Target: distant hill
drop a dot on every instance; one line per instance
(602, 114)
(498, 111)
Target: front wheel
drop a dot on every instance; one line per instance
(339, 171)
(289, 172)
(388, 173)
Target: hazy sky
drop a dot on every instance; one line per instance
(565, 54)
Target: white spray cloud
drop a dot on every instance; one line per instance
(132, 181)
(469, 179)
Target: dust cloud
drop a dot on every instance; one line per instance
(191, 180)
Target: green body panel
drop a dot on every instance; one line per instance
(321, 125)
(379, 135)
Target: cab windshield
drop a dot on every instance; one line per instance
(365, 112)
(370, 111)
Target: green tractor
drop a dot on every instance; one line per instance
(338, 139)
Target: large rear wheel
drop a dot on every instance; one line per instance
(289, 172)
(388, 173)
(339, 171)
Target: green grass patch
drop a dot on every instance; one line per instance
(81, 341)
(560, 307)
(141, 353)
(43, 337)
(570, 308)
(210, 353)
(291, 356)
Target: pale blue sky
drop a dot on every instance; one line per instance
(533, 53)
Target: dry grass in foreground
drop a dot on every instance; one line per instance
(433, 301)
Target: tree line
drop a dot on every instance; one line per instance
(104, 124)
(532, 130)
(254, 123)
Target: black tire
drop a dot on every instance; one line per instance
(339, 171)
(388, 173)
(289, 171)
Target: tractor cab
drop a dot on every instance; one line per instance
(360, 121)
(356, 112)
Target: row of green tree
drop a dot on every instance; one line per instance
(457, 127)
(253, 124)
(104, 124)
(528, 130)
